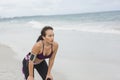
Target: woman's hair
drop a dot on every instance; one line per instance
(43, 32)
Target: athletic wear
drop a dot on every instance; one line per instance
(40, 67)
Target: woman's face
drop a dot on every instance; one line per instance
(49, 36)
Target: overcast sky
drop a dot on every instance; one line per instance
(10, 8)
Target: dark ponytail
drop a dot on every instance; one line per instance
(39, 38)
(43, 32)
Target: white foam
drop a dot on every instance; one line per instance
(37, 25)
(92, 27)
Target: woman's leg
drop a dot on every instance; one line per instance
(25, 68)
(42, 69)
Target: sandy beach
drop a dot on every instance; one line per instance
(91, 56)
(99, 62)
(10, 68)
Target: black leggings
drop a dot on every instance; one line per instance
(41, 68)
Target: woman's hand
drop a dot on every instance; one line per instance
(49, 76)
(30, 78)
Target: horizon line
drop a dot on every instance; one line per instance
(59, 14)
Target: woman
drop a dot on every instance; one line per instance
(45, 47)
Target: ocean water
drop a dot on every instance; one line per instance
(88, 43)
(93, 22)
(21, 32)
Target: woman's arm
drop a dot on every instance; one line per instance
(34, 52)
(51, 60)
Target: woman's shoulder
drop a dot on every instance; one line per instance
(37, 45)
(55, 44)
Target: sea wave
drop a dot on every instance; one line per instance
(92, 27)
